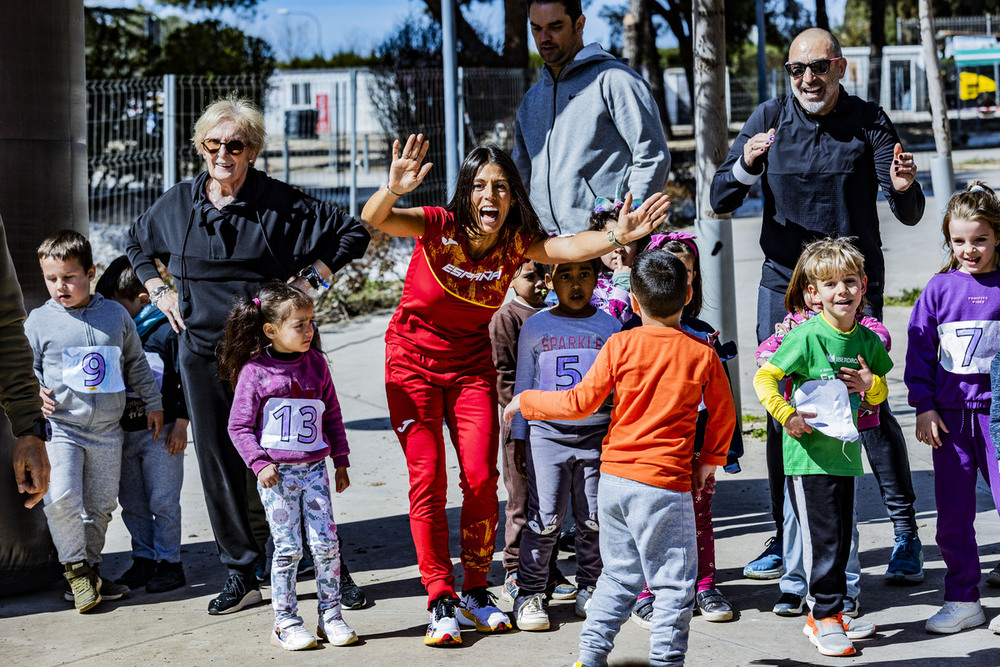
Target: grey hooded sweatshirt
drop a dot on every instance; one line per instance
(83, 354)
(582, 136)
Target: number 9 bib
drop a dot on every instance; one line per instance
(96, 369)
(292, 424)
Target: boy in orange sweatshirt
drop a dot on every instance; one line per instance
(659, 375)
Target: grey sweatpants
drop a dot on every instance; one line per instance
(647, 534)
(83, 485)
(556, 470)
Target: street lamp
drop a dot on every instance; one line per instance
(284, 11)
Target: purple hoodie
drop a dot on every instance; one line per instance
(275, 415)
(953, 335)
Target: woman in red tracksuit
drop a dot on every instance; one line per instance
(438, 354)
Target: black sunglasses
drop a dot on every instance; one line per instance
(818, 67)
(234, 147)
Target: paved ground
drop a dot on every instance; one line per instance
(173, 628)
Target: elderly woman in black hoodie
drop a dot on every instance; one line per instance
(221, 235)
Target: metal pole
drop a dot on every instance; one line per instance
(335, 127)
(461, 113)
(761, 52)
(169, 131)
(352, 128)
(450, 67)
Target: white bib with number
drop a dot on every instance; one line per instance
(95, 369)
(293, 424)
(156, 365)
(968, 348)
(563, 369)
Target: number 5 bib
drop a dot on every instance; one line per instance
(293, 424)
(95, 369)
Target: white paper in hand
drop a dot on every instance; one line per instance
(830, 402)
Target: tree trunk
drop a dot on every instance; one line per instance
(654, 69)
(711, 143)
(822, 20)
(474, 50)
(675, 19)
(935, 83)
(515, 43)
(632, 24)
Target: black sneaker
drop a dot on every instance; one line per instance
(110, 590)
(351, 595)
(166, 577)
(138, 574)
(235, 595)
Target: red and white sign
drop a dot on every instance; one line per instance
(323, 118)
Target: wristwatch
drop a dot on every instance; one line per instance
(311, 276)
(40, 428)
(614, 241)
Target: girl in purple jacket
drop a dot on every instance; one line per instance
(954, 333)
(285, 421)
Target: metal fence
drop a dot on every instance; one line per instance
(328, 132)
(908, 30)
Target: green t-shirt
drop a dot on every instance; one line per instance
(816, 350)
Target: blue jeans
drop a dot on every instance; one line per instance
(150, 495)
(647, 535)
(794, 580)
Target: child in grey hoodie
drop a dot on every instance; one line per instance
(84, 346)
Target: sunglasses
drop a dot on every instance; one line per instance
(818, 67)
(234, 147)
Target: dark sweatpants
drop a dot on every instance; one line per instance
(824, 507)
(223, 472)
(885, 445)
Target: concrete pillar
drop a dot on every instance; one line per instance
(43, 188)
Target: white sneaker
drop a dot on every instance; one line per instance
(334, 629)
(956, 616)
(479, 611)
(531, 614)
(995, 625)
(443, 629)
(292, 636)
(583, 595)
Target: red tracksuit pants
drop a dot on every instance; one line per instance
(422, 392)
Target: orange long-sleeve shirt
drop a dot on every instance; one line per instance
(659, 375)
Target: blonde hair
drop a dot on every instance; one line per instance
(238, 109)
(979, 203)
(821, 260)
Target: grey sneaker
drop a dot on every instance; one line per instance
(852, 607)
(84, 584)
(956, 616)
(583, 596)
(829, 635)
(789, 604)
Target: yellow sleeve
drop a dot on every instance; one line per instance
(879, 391)
(765, 383)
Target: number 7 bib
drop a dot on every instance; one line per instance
(96, 369)
(292, 424)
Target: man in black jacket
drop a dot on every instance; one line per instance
(821, 156)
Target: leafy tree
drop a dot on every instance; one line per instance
(213, 48)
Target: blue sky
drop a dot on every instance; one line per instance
(361, 24)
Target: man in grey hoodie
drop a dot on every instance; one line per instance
(589, 128)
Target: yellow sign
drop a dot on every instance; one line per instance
(972, 84)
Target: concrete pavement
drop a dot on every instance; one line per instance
(173, 628)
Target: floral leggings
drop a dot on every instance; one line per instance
(301, 499)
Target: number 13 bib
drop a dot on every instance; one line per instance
(293, 424)
(94, 369)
